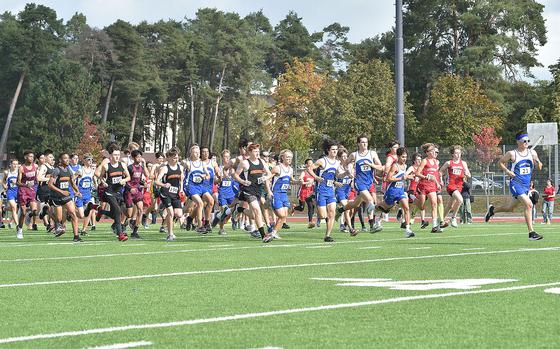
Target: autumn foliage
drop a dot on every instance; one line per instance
(90, 142)
(487, 145)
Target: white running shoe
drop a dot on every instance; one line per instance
(454, 222)
(19, 233)
(408, 233)
(170, 237)
(376, 227)
(275, 235)
(222, 232)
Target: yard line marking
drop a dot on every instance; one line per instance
(270, 267)
(474, 249)
(85, 243)
(553, 290)
(420, 248)
(369, 248)
(266, 314)
(222, 245)
(37, 259)
(124, 345)
(320, 246)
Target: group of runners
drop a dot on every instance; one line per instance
(200, 192)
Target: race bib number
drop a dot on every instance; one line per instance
(226, 183)
(173, 190)
(365, 168)
(261, 180)
(12, 183)
(63, 185)
(346, 181)
(86, 185)
(330, 182)
(137, 174)
(197, 179)
(457, 171)
(30, 183)
(285, 187)
(399, 185)
(116, 180)
(525, 170)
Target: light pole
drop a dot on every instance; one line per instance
(399, 79)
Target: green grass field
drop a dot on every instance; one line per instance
(235, 292)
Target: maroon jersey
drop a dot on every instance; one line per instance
(29, 175)
(136, 172)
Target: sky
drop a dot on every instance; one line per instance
(366, 18)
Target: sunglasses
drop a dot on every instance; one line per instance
(526, 140)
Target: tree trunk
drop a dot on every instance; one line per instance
(225, 136)
(133, 123)
(426, 99)
(108, 100)
(6, 130)
(216, 108)
(191, 95)
(199, 121)
(174, 124)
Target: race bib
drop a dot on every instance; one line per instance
(63, 185)
(285, 187)
(197, 179)
(457, 171)
(525, 170)
(28, 183)
(137, 174)
(399, 185)
(330, 182)
(226, 183)
(261, 180)
(365, 168)
(116, 180)
(86, 185)
(346, 181)
(173, 190)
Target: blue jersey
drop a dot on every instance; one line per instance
(395, 190)
(11, 184)
(73, 169)
(328, 173)
(196, 174)
(522, 166)
(85, 182)
(209, 183)
(225, 188)
(281, 181)
(364, 172)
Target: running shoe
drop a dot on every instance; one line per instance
(489, 213)
(534, 236)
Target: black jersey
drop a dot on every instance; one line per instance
(173, 177)
(62, 181)
(115, 175)
(254, 174)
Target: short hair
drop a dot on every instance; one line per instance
(225, 151)
(283, 152)
(392, 143)
(415, 155)
(172, 152)
(72, 155)
(253, 146)
(112, 147)
(327, 144)
(13, 159)
(360, 137)
(401, 151)
(307, 160)
(243, 142)
(48, 152)
(159, 155)
(427, 146)
(135, 153)
(133, 145)
(27, 152)
(61, 155)
(453, 148)
(519, 134)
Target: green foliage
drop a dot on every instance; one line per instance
(457, 109)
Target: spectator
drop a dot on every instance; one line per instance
(534, 196)
(466, 211)
(548, 202)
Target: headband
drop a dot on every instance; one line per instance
(518, 138)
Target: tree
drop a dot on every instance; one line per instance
(90, 142)
(487, 149)
(457, 109)
(26, 43)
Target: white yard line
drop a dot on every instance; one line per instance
(369, 248)
(271, 267)
(266, 314)
(124, 345)
(474, 249)
(31, 244)
(320, 246)
(255, 246)
(420, 248)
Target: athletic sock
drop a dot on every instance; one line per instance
(371, 222)
(440, 210)
(261, 231)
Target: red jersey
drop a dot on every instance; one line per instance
(29, 175)
(426, 186)
(455, 174)
(548, 194)
(306, 190)
(413, 186)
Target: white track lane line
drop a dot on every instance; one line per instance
(266, 314)
(124, 345)
(420, 248)
(474, 249)
(369, 248)
(271, 267)
(257, 246)
(31, 244)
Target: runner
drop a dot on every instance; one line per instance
(413, 191)
(253, 176)
(196, 175)
(305, 194)
(133, 195)
(429, 183)
(27, 182)
(170, 182)
(59, 183)
(226, 194)
(86, 182)
(395, 192)
(211, 169)
(457, 172)
(283, 177)
(343, 191)
(43, 191)
(11, 187)
(522, 162)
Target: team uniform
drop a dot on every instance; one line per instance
(85, 187)
(413, 186)
(280, 187)
(11, 184)
(133, 189)
(26, 194)
(73, 170)
(226, 193)
(306, 190)
(170, 196)
(254, 174)
(63, 182)
(325, 188)
(43, 190)
(394, 158)
(364, 172)
(195, 179)
(395, 191)
(455, 175)
(342, 193)
(426, 186)
(208, 184)
(522, 167)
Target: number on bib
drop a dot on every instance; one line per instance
(365, 168)
(173, 190)
(525, 170)
(63, 185)
(116, 180)
(330, 182)
(30, 183)
(398, 185)
(285, 187)
(457, 171)
(197, 179)
(346, 181)
(226, 183)
(260, 180)
(86, 185)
